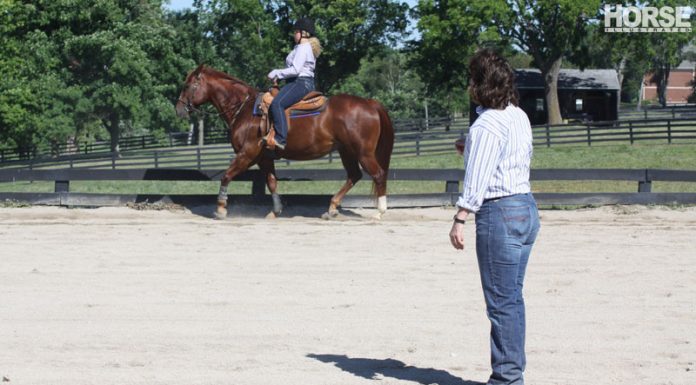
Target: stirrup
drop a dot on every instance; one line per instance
(270, 142)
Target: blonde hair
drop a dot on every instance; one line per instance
(316, 46)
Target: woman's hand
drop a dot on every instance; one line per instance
(457, 236)
(457, 233)
(273, 75)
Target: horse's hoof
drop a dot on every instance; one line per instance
(220, 214)
(331, 214)
(377, 216)
(271, 215)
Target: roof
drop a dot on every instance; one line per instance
(589, 79)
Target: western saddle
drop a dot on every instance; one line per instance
(311, 104)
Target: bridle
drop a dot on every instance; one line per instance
(225, 110)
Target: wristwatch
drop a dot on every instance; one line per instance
(457, 220)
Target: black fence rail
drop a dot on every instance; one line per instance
(436, 140)
(630, 131)
(687, 111)
(211, 135)
(450, 177)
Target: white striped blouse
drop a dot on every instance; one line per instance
(497, 156)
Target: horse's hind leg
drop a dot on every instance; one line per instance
(370, 164)
(350, 163)
(268, 167)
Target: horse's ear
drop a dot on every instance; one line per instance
(198, 70)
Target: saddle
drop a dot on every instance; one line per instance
(311, 104)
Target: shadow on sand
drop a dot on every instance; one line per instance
(370, 368)
(243, 206)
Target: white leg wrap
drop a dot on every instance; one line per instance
(382, 204)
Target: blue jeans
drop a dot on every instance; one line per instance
(291, 93)
(506, 229)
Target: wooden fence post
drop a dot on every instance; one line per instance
(630, 131)
(113, 160)
(198, 157)
(156, 159)
(589, 136)
(258, 185)
(418, 138)
(669, 131)
(548, 135)
(645, 185)
(452, 186)
(62, 186)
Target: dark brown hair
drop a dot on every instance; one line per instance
(491, 80)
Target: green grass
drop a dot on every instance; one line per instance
(659, 156)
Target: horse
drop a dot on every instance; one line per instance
(359, 129)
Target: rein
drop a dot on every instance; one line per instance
(190, 108)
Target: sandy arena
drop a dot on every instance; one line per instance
(119, 296)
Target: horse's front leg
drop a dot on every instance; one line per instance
(237, 166)
(268, 168)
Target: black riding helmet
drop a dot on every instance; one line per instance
(304, 24)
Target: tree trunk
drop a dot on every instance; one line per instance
(640, 95)
(550, 76)
(115, 131)
(662, 80)
(620, 74)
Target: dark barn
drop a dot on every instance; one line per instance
(589, 95)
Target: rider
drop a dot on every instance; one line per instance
(298, 74)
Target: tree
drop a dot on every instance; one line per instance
(247, 41)
(348, 29)
(548, 30)
(36, 102)
(450, 31)
(666, 50)
(624, 52)
(120, 60)
(385, 76)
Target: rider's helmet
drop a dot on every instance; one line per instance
(304, 24)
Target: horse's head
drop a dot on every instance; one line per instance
(194, 94)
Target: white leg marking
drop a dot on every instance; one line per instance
(382, 204)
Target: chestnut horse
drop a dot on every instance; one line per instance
(360, 129)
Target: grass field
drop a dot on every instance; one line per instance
(658, 156)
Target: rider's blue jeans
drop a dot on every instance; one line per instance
(506, 229)
(291, 93)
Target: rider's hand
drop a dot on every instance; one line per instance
(273, 74)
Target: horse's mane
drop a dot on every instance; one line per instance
(219, 74)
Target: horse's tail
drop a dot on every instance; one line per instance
(385, 144)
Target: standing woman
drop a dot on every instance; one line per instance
(497, 155)
(298, 74)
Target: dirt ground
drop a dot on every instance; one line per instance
(124, 296)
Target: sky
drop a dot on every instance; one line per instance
(177, 5)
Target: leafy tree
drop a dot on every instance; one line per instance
(120, 61)
(349, 31)
(36, 103)
(666, 50)
(548, 30)
(449, 32)
(386, 77)
(247, 41)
